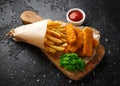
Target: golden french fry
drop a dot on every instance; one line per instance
(62, 34)
(71, 34)
(64, 40)
(48, 42)
(55, 29)
(58, 22)
(49, 49)
(52, 26)
(50, 22)
(88, 41)
(62, 30)
(64, 45)
(54, 33)
(56, 40)
(58, 48)
(59, 27)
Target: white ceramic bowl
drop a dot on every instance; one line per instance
(75, 22)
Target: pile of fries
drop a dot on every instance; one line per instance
(68, 38)
(55, 39)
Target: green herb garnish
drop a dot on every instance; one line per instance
(71, 62)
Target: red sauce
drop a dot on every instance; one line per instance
(75, 15)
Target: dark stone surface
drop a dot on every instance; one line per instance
(25, 65)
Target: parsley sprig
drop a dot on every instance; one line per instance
(72, 62)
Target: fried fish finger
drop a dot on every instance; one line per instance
(71, 34)
(88, 41)
(77, 45)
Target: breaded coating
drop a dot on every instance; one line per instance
(77, 45)
(88, 41)
(78, 30)
(71, 34)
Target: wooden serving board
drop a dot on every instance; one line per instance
(55, 57)
(88, 68)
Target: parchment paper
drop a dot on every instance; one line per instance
(32, 33)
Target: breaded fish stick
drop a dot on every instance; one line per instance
(71, 34)
(77, 45)
(88, 41)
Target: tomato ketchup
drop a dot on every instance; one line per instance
(75, 15)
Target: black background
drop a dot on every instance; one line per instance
(25, 65)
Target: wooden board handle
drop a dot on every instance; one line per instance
(29, 17)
